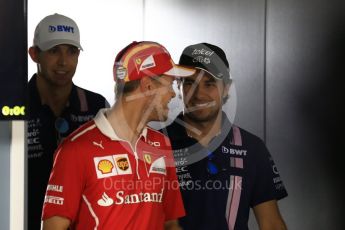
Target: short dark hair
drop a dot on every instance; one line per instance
(123, 88)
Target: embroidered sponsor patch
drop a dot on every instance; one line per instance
(158, 166)
(147, 158)
(55, 188)
(123, 165)
(148, 62)
(112, 165)
(105, 166)
(105, 201)
(54, 200)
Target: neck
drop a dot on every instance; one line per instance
(126, 119)
(204, 131)
(53, 96)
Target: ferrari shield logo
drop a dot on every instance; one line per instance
(147, 158)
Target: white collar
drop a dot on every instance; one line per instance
(105, 127)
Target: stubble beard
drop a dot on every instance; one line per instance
(196, 116)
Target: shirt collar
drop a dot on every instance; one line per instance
(35, 99)
(180, 124)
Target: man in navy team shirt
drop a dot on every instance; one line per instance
(223, 170)
(56, 105)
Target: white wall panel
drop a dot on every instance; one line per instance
(106, 26)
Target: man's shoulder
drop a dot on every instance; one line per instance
(94, 99)
(247, 134)
(91, 94)
(248, 138)
(84, 132)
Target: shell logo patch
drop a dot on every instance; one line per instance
(105, 166)
(112, 165)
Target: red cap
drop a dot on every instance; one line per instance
(140, 59)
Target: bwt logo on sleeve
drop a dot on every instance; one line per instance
(61, 28)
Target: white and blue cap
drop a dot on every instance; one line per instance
(56, 29)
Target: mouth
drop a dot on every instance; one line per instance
(198, 106)
(206, 104)
(61, 72)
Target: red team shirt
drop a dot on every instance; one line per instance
(99, 182)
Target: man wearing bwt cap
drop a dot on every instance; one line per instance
(223, 170)
(115, 172)
(56, 105)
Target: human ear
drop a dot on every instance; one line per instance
(145, 84)
(226, 90)
(33, 52)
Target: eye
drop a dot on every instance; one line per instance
(53, 50)
(210, 84)
(188, 83)
(73, 50)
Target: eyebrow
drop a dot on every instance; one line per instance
(210, 80)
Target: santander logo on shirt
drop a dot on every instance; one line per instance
(105, 200)
(135, 198)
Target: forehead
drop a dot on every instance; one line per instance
(64, 46)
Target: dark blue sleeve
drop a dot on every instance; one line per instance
(267, 183)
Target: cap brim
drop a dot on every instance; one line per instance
(214, 76)
(48, 45)
(180, 71)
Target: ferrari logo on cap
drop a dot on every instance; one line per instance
(138, 61)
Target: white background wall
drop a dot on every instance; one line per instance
(108, 26)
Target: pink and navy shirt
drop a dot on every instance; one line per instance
(221, 182)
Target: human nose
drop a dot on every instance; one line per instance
(62, 59)
(199, 92)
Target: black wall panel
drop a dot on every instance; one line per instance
(305, 56)
(13, 59)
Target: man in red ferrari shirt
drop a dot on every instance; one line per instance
(115, 172)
